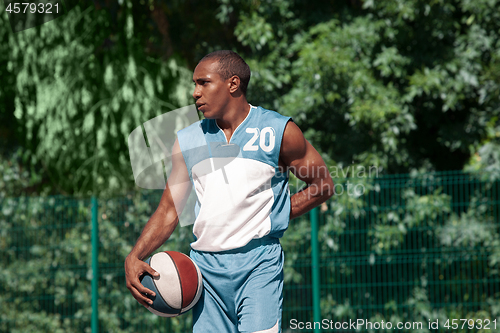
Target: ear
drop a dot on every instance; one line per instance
(234, 84)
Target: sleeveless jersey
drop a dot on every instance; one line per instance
(241, 192)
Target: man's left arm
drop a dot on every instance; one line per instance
(300, 157)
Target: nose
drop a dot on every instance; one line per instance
(196, 93)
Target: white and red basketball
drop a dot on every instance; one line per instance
(178, 287)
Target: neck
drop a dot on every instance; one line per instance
(233, 117)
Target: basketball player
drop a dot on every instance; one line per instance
(243, 207)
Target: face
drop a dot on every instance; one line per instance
(211, 92)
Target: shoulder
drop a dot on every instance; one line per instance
(293, 137)
(193, 127)
(264, 118)
(270, 114)
(294, 145)
(198, 128)
(193, 135)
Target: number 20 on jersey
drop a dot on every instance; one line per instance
(266, 139)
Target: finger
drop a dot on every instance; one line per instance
(143, 290)
(151, 271)
(144, 301)
(144, 267)
(141, 293)
(148, 271)
(138, 291)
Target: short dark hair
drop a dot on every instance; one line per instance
(230, 63)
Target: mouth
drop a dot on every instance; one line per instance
(199, 105)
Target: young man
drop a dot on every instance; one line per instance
(243, 206)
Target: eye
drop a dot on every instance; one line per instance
(200, 82)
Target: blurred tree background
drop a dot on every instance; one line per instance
(402, 86)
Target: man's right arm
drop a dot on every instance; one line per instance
(159, 227)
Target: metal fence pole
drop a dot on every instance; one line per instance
(95, 267)
(315, 267)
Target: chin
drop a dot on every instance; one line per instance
(206, 115)
(209, 115)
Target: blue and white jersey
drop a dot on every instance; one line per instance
(241, 192)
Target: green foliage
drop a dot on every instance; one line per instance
(81, 86)
(403, 85)
(400, 85)
(46, 271)
(15, 176)
(407, 248)
(365, 82)
(412, 249)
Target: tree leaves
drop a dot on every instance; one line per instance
(82, 86)
(376, 76)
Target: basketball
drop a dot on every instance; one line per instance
(178, 287)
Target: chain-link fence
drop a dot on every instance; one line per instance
(404, 250)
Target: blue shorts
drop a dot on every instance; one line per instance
(243, 289)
